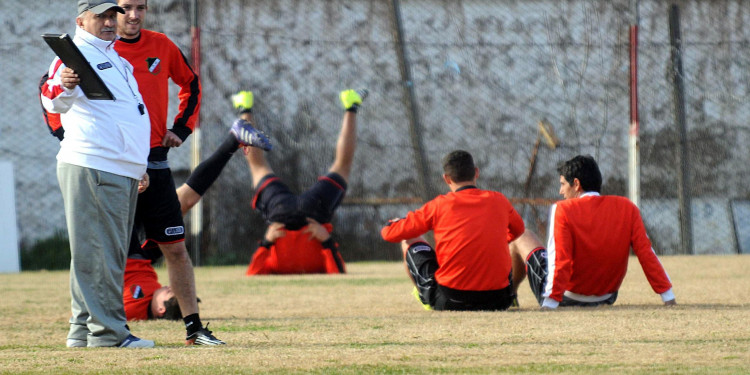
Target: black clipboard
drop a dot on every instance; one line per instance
(91, 84)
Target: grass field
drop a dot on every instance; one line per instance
(368, 322)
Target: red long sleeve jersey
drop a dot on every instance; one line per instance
(139, 286)
(472, 228)
(592, 239)
(155, 60)
(295, 253)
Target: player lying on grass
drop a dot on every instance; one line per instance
(470, 266)
(298, 237)
(587, 252)
(144, 297)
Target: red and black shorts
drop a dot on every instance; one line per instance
(277, 203)
(421, 260)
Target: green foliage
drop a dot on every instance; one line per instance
(51, 253)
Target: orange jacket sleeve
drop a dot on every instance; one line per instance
(190, 94)
(258, 265)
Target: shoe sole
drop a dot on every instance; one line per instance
(191, 342)
(76, 344)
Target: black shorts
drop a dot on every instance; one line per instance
(277, 203)
(422, 263)
(536, 272)
(158, 217)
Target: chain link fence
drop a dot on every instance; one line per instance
(694, 124)
(477, 75)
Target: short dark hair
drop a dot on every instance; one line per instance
(459, 166)
(585, 169)
(172, 309)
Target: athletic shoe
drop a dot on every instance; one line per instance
(134, 342)
(247, 135)
(203, 337)
(74, 343)
(415, 293)
(514, 304)
(243, 101)
(352, 99)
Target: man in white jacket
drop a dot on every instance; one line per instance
(100, 163)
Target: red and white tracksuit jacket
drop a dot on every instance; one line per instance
(588, 248)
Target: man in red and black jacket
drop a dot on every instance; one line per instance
(470, 266)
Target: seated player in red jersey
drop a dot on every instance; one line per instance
(470, 266)
(298, 238)
(589, 244)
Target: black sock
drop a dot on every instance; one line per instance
(192, 323)
(209, 170)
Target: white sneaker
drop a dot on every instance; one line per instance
(75, 343)
(134, 342)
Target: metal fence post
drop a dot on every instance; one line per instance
(678, 93)
(410, 101)
(196, 214)
(634, 170)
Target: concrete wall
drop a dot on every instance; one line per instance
(483, 73)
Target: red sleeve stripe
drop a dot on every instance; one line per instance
(332, 181)
(55, 90)
(260, 189)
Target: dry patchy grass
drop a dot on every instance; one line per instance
(368, 322)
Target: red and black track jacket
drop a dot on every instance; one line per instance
(155, 60)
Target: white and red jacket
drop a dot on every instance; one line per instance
(588, 248)
(107, 135)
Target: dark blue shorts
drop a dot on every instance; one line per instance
(158, 217)
(277, 203)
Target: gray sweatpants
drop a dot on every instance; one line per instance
(99, 210)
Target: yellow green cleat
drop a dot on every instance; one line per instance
(243, 100)
(352, 99)
(415, 293)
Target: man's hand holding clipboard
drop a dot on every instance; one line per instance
(78, 71)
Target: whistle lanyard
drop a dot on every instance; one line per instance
(123, 75)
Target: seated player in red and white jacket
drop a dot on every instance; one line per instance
(589, 244)
(298, 237)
